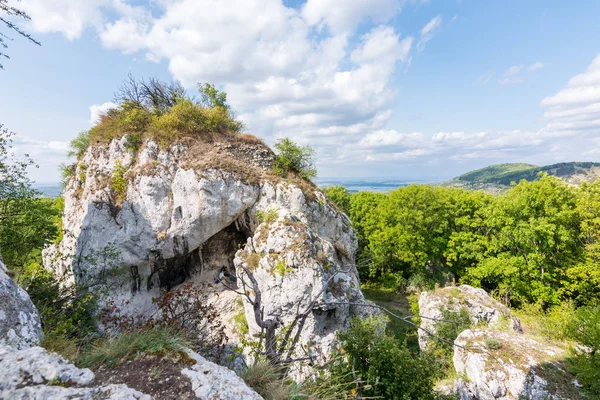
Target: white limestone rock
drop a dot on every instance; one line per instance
(33, 373)
(212, 381)
(516, 370)
(482, 308)
(182, 221)
(19, 319)
(43, 392)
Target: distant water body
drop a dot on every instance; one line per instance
(353, 185)
(370, 185)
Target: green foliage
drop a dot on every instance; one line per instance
(492, 344)
(67, 171)
(79, 145)
(113, 351)
(532, 234)
(162, 111)
(340, 196)
(584, 327)
(294, 158)
(535, 243)
(505, 174)
(211, 96)
(281, 269)
(267, 216)
(134, 142)
(392, 371)
(29, 224)
(241, 323)
(118, 182)
(65, 310)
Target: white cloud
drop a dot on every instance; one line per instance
(515, 74)
(342, 16)
(47, 154)
(535, 66)
(97, 110)
(429, 31)
(575, 109)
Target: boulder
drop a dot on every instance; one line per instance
(482, 308)
(19, 319)
(33, 373)
(194, 209)
(212, 381)
(506, 365)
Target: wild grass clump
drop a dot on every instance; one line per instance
(265, 379)
(113, 351)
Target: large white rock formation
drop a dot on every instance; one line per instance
(192, 210)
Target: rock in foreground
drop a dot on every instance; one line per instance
(35, 374)
(20, 325)
(505, 365)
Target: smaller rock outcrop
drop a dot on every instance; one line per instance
(20, 325)
(482, 308)
(505, 365)
(212, 381)
(33, 373)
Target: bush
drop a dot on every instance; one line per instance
(584, 327)
(294, 158)
(493, 344)
(267, 216)
(65, 309)
(118, 182)
(79, 145)
(388, 369)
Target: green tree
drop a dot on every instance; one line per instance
(211, 97)
(26, 220)
(388, 367)
(532, 234)
(294, 158)
(340, 196)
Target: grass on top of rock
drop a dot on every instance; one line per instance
(163, 112)
(112, 351)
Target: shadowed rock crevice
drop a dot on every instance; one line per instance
(204, 263)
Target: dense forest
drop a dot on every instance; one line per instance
(535, 247)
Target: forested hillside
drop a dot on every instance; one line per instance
(500, 176)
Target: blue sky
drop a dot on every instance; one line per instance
(383, 88)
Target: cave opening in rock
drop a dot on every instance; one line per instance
(202, 265)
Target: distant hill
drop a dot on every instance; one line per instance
(496, 178)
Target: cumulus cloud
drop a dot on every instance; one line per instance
(341, 16)
(48, 154)
(97, 110)
(575, 109)
(429, 31)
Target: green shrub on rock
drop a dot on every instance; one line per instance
(294, 158)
